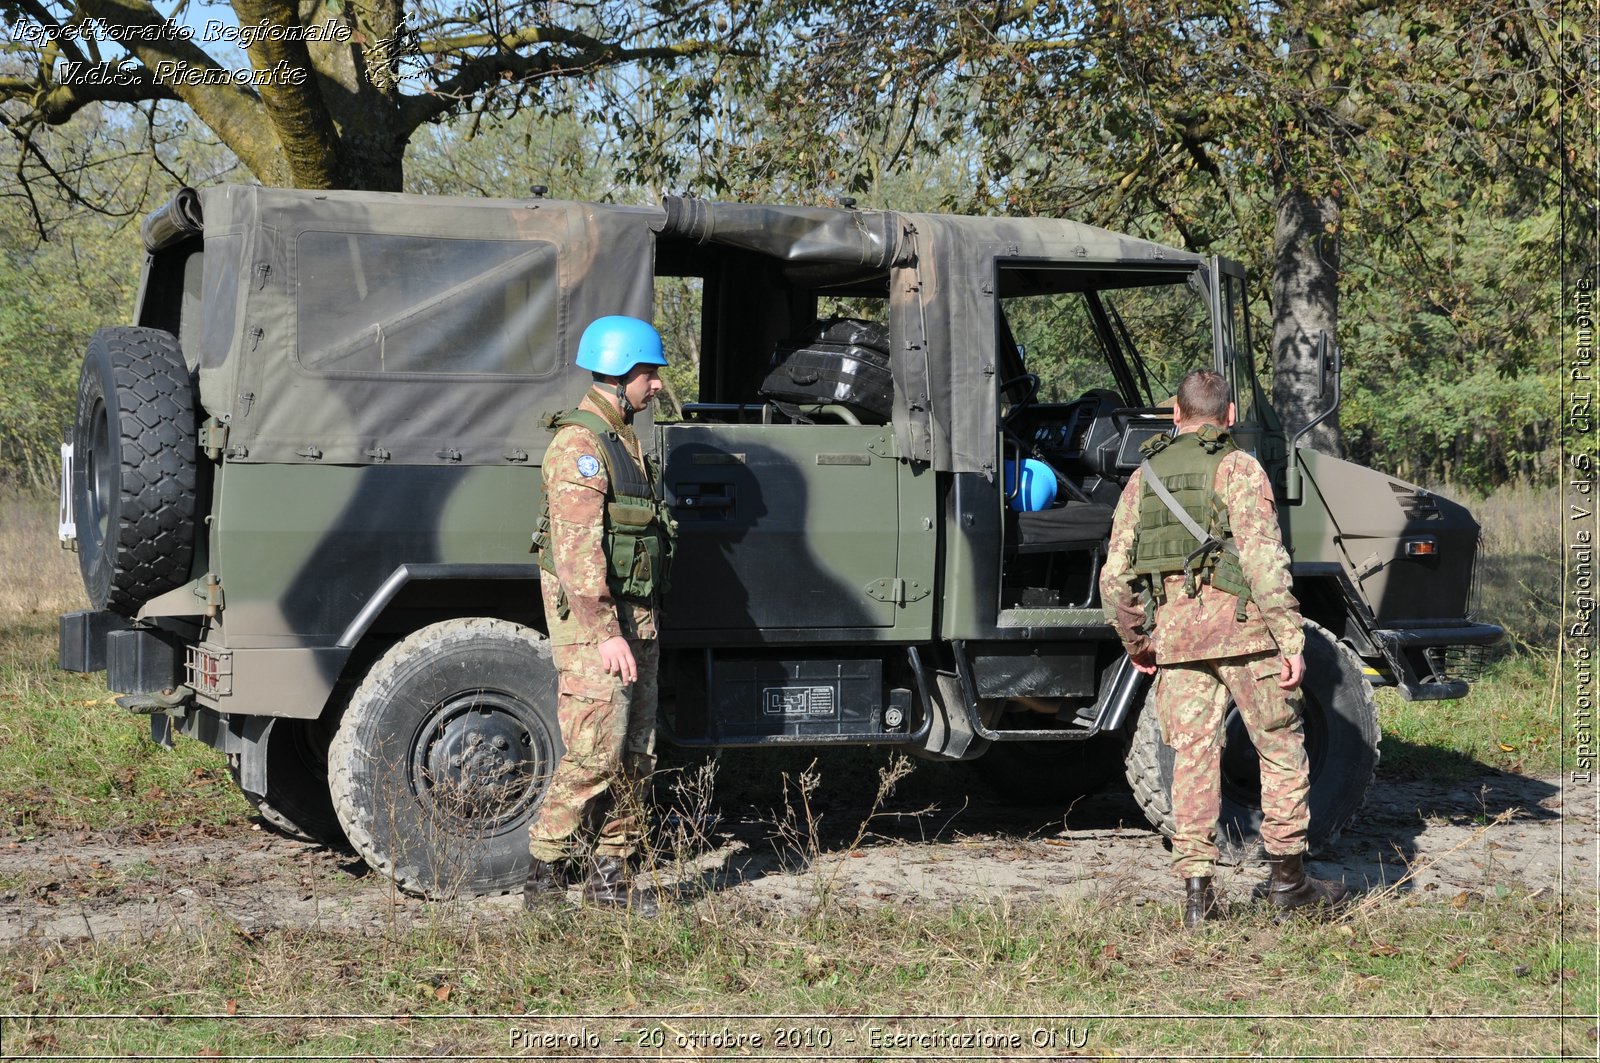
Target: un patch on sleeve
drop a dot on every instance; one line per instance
(588, 465)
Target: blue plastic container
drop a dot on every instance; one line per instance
(1038, 486)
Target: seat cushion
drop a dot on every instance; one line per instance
(1075, 522)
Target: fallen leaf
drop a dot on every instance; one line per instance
(1110, 952)
(1460, 900)
(1455, 964)
(1507, 749)
(232, 1007)
(442, 993)
(1383, 948)
(207, 1052)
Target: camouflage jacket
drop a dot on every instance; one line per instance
(576, 484)
(1206, 626)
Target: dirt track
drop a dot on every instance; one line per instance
(70, 886)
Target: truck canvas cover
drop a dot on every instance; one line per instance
(352, 327)
(420, 329)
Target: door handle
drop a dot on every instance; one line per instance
(706, 502)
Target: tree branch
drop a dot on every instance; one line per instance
(475, 74)
(234, 112)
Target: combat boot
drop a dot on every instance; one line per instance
(546, 885)
(1290, 887)
(608, 886)
(1199, 902)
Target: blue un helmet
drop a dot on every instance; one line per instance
(613, 345)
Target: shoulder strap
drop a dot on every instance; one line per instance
(584, 419)
(1203, 537)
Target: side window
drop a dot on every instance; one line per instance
(1241, 366)
(219, 296)
(374, 303)
(193, 306)
(1168, 328)
(679, 315)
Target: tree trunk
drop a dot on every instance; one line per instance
(1305, 301)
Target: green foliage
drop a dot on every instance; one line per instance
(53, 294)
(69, 263)
(1452, 370)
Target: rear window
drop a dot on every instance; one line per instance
(380, 304)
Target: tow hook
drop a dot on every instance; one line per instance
(171, 701)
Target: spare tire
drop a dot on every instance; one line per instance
(135, 468)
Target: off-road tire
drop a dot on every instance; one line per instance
(1051, 773)
(443, 754)
(135, 468)
(1341, 728)
(297, 801)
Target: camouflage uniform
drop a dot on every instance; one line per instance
(607, 726)
(1206, 653)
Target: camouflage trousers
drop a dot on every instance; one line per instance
(1191, 699)
(609, 729)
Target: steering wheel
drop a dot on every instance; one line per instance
(1028, 397)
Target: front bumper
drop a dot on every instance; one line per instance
(1417, 656)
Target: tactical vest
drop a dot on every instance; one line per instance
(1187, 465)
(638, 532)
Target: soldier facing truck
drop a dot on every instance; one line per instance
(1197, 582)
(604, 539)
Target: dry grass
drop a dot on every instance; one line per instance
(1248, 986)
(38, 579)
(1519, 566)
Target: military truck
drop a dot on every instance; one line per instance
(301, 486)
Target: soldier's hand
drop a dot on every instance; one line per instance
(617, 658)
(1294, 670)
(1144, 660)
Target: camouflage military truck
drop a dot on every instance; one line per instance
(302, 486)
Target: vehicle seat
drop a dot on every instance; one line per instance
(1076, 526)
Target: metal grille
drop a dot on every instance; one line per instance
(209, 672)
(1459, 662)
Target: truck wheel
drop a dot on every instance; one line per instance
(297, 801)
(134, 468)
(1051, 773)
(443, 754)
(1341, 734)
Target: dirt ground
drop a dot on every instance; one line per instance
(974, 848)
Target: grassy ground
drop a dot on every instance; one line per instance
(1417, 977)
(1426, 974)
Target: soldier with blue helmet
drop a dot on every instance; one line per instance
(604, 542)
(1196, 582)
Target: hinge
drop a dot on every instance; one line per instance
(378, 454)
(448, 454)
(896, 591)
(882, 445)
(213, 438)
(214, 602)
(314, 453)
(1369, 566)
(517, 455)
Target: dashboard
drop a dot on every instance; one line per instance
(1092, 441)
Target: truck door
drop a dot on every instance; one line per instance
(786, 531)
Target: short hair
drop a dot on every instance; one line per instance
(1203, 395)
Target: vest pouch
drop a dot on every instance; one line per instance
(628, 541)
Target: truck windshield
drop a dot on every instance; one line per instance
(1134, 334)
